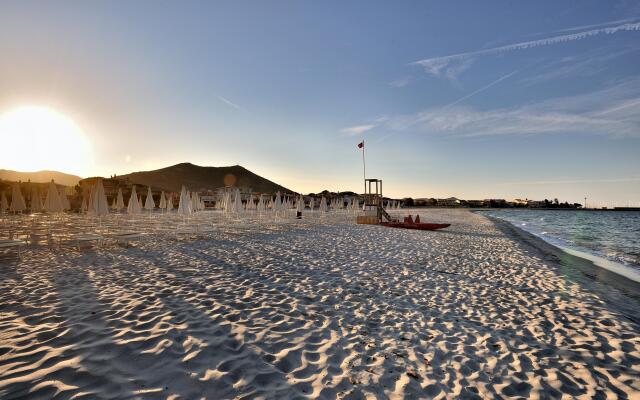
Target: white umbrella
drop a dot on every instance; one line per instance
(36, 204)
(237, 203)
(149, 204)
(52, 203)
(300, 205)
(114, 204)
(133, 207)
(83, 207)
(66, 205)
(260, 206)
(119, 200)
(277, 204)
(99, 205)
(184, 206)
(4, 204)
(312, 204)
(163, 201)
(170, 202)
(323, 204)
(17, 201)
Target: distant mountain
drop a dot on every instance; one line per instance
(195, 177)
(40, 176)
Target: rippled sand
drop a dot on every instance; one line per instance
(311, 309)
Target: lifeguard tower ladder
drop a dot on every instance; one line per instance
(373, 209)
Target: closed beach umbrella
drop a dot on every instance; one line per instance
(184, 206)
(323, 204)
(100, 206)
(4, 204)
(114, 204)
(36, 204)
(119, 200)
(66, 205)
(163, 201)
(260, 206)
(170, 202)
(237, 203)
(83, 206)
(17, 201)
(312, 204)
(52, 203)
(149, 204)
(277, 204)
(300, 205)
(133, 207)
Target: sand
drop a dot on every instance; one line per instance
(314, 308)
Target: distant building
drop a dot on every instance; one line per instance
(476, 203)
(450, 202)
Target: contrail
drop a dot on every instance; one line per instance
(231, 104)
(482, 89)
(437, 63)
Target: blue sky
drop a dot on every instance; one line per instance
(468, 99)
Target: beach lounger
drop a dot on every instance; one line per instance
(86, 238)
(12, 244)
(127, 237)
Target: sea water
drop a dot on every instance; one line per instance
(600, 236)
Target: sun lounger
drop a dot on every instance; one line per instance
(86, 238)
(127, 237)
(9, 244)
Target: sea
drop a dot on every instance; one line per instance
(610, 239)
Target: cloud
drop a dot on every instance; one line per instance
(591, 63)
(231, 104)
(437, 65)
(358, 129)
(402, 82)
(614, 111)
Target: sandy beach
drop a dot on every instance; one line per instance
(320, 307)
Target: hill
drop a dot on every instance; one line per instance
(40, 176)
(196, 177)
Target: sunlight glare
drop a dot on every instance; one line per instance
(39, 138)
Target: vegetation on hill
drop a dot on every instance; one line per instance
(196, 177)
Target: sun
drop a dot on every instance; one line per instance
(38, 138)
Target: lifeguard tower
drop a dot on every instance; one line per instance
(373, 209)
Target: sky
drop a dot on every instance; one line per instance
(470, 99)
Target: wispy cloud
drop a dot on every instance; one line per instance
(437, 65)
(231, 104)
(614, 111)
(587, 64)
(358, 129)
(401, 82)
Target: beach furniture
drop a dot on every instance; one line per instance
(86, 239)
(127, 237)
(7, 245)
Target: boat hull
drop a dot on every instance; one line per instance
(419, 226)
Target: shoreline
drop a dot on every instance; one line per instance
(583, 270)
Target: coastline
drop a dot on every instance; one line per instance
(578, 267)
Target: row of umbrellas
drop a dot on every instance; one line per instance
(189, 202)
(55, 200)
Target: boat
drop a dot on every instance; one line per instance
(409, 223)
(422, 226)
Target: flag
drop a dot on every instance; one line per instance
(361, 144)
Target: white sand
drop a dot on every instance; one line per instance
(305, 309)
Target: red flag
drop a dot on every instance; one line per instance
(361, 144)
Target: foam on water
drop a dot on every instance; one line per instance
(611, 240)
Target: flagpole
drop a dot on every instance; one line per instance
(364, 169)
